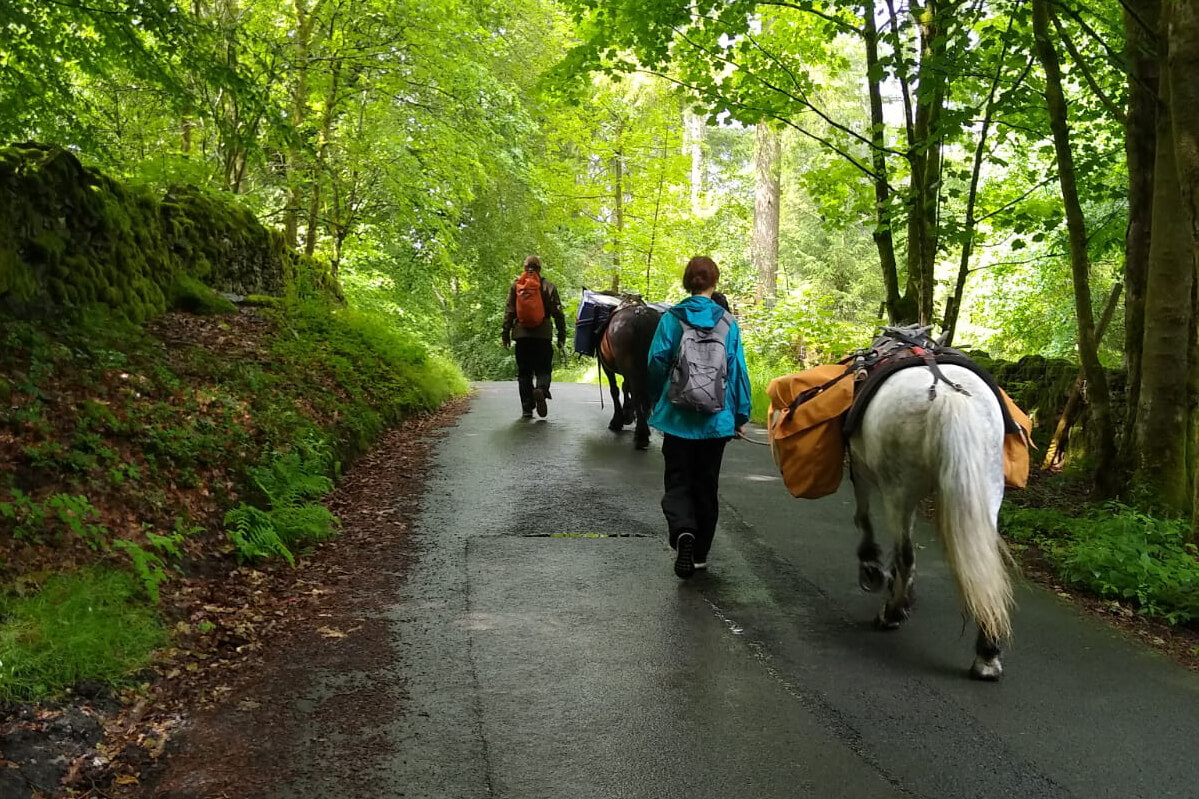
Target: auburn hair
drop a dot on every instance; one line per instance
(701, 274)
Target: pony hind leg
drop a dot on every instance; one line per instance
(617, 423)
(630, 406)
(871, 577)
(987, 665)
(640, 403)
(901, 582)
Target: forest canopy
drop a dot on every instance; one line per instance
(1003, 171)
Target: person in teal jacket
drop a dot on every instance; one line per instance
(692, 441)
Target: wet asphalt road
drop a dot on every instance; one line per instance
(538, 660)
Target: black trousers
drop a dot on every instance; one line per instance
(691, 480)
(534, 361)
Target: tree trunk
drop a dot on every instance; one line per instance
(899, 308)
(925, 156)
(653, 231)
(1140, 145)
(1162, 425)
(693, 125)
(764, 245)
(322, 155)
(1182, 67)
(304, 22)
(618, 208)
(1102, 443)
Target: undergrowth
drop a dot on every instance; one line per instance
(763, 369)
(291, 486)
(1118, 553)
(145, 450)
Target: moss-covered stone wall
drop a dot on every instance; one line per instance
(71, 236)
(1041, 387)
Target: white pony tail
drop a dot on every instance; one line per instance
(966, 523)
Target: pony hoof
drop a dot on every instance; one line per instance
(986, 670)
(886, 623)
(870, 576)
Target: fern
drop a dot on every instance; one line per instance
(78, 516)
(303, 523)
(291, 479)
(168, 544)
(148, 567)
(253, 533)
(290, 484)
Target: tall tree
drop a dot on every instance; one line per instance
(1182, 67)
(1103, 442)
(1162, 428)
(1141, 53)
(764, 246)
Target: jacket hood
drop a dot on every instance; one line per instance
(698, 311)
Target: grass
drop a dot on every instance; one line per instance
(761, 372)
(90, 625)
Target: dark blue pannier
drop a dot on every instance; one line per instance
(594, 310)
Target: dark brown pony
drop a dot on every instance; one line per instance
(624, 350)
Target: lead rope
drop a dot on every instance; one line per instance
(599, 374)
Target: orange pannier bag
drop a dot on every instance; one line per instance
(806, 442)
(1015, 446)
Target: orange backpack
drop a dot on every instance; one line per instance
(530, 307)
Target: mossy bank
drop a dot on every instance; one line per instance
(152, 429)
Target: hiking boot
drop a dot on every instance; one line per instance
(684, 561)
(539, 399)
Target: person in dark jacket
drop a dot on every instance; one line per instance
(534, 351)
(692, 441)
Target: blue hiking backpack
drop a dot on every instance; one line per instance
(700, 371)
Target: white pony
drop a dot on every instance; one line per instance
(909, 446)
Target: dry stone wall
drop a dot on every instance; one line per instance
(71, 236)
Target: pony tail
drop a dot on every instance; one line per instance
(965, 521)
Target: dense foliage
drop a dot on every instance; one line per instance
(1004, 171)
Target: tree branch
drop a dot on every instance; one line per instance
(738, 104)
(1086, 71)
(840, 23)
(769, 85)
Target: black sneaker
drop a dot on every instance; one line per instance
(684, 561)
(539, 399)
(526, 415)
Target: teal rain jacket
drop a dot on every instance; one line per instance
(698, 311)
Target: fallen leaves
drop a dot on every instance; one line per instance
(227, 620)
